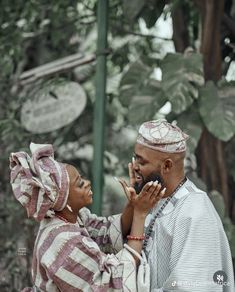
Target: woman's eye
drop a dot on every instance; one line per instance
(81, 183)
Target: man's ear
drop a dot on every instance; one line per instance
(167, 165)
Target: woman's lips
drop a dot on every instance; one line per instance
(90, 193)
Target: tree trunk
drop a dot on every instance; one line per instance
(210, 45)
(180, 33)
(210, 154)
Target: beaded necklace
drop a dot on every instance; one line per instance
(150, 228)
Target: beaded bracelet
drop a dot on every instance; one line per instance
(132, 237)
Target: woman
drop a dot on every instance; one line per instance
(67, 253)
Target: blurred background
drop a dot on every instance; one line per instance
(83, 75)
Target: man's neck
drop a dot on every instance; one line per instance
(173, 184)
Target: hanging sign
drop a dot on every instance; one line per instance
(53, 107)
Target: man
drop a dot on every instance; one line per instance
(185, 242)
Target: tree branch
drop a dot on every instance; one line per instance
(141, 34)
(58, 66)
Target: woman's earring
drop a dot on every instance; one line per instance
(70, 209)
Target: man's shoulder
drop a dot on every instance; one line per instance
(193, 188)
(190, 193)
(196, 204)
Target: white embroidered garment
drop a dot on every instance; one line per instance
(188, 245)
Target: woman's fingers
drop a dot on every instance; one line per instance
(125, 187)
(132, 193)
(152, 191)
(131, 174)
(157, 186)
(147, 189)
(149, 196)
(157, 196)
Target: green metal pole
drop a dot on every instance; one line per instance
(99, 109)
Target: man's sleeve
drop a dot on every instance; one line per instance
(106, 232)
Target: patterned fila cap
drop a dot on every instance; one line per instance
(162, 136)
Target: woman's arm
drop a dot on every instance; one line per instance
(146, 200)
(75, 261)
(127, 214)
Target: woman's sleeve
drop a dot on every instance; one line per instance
(75, 263)
(106, 232)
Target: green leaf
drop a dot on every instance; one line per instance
(141, 109)
(132, 81)
(190, 122)
(227, 94)
(181, 76)
(136, 73)
(217, 116)
(113, 83)
(143, 96)
(146, 103)
(152, 11)
(132, 8)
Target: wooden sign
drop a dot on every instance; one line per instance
(53, 107)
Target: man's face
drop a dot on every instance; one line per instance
(147, 166)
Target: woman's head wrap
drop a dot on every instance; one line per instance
(39, 183)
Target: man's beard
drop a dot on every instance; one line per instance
(152, 177)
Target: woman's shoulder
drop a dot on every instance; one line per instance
(56, 231)
(59, 240)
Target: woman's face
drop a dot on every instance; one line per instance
(80, 194)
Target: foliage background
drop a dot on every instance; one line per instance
(181, 76)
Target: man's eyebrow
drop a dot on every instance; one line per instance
(137, 156)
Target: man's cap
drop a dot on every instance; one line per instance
(162, 136)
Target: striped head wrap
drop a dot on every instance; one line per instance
(39, 183)
(162, 136)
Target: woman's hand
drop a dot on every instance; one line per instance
(128, 189)
(148, 197)
(131, 172)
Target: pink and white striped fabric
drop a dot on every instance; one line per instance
(39, 183)
(68, 257)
